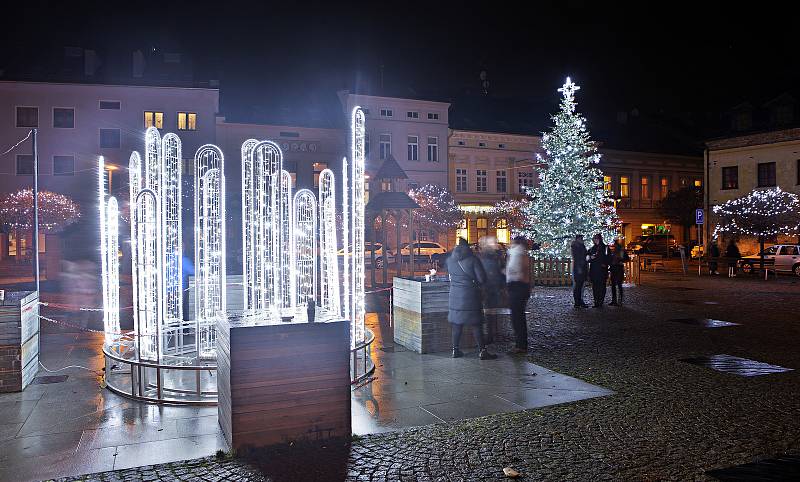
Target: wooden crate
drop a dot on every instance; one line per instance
(19, 340)
(419, 316)
(282, 383)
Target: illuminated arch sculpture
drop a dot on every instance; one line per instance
(173, 328)
(248, 231)
(209, 205)
(329, 266)
(304, 240)
(148, 273)
(357, 214)
(134, 184)
(109, 245)
(287, 280)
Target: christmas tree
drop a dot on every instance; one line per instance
(569, 199)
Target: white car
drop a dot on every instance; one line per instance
(368, 246)
(424, 249)
(786, 258)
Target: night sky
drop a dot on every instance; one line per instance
(677, 58)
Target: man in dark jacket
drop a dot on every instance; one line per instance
(578, 249)
(617, 269)
(713, 257)
(598, 258)
(465, 306)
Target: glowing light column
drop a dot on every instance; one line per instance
(248, 219)
(329, 272)
(109, 244)
(209, 204)
(305, 246)
(135, 184)
(357, 213)
(287, 280)
(172, 329)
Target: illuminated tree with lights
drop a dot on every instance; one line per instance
(569, 199)
(762, 213)
(56, 211)
(437, 210)
(512, 210)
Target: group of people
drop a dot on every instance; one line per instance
(478, 281)
(597, 263)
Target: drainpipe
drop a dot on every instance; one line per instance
(707, 195)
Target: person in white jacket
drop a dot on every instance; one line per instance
(518, 280)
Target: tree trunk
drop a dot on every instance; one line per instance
(761, 247)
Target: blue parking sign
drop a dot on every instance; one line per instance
(698, 216)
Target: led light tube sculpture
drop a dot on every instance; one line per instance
(135, 184)
(305, 246)
(287, 280)
(209, 204)
(172, 325)
(262, 296)
(148, 277)
(357, 213)
(248, 228)
(329, 266)
(109, 244)
(346, 247)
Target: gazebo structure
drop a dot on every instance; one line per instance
(389, 202)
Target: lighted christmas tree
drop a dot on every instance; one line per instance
(569, 199)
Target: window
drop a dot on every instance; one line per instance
(433, 149)
(481, 144)
(63, 165)
(109, 105)
(789, 250)
(463, 230)
(187, 121)
(483, 227)
(698, 183)
(480, 180)
(524, 180)
(366, 143)
(433, 116)
(318, 167)
(386, 185)
(366, 111)
(385, 145)
(461, 180)
(501, 226)
(413, 148)
(502, 181)
(282, 134)
(24, 165)
(501, 146)
(607, 187)
(153, 119)
(413, 186)
(27, 117)
(422, 235)
(624, 186)
(386, 113)
(664, 187)
(462, 143)
(64, 117)
(109, 138)
(766, 174)
(730, 177)
(646, 187)
(412, 114)
(684, 182)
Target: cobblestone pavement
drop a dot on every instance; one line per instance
(668, 420)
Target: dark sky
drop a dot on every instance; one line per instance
(670, 56)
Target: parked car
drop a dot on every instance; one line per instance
(662, 244)
(423, 249)
(368, 247)
(786, 258)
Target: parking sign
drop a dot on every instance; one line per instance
(698, 216)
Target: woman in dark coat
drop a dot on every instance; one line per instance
(617, 269)
(465, 305)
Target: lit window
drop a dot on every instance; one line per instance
(461, 180)
(624, 186)
(153, 119)
(645, 187)
(385, 145)
(480, 180)
(524, 180)
(27, 117)
(318, 167)
(463, 230)
(502, 181)
(413, 148)
(386, 185)
(433, 149)
(63, 118)
(412, 115)
(607, 187)
(187, 121)
(664, 187)
(698, 183)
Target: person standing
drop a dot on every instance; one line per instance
(465, 305)
(732, 254)
(713, 258)
(489, 255)
(518, 280)
(578, 249)
(597, 257)
(617, 270)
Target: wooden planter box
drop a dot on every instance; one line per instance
(419, 315)
(281, 383)
(19, 340)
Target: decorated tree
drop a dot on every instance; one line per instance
(680, 206)
(569, 199)
(437, 211)
(762, 213)
(512, 210)
(56, 211)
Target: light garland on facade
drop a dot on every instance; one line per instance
(762, 213)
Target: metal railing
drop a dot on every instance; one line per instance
(361, 364)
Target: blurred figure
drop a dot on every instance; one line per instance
(518, 278)
(598, 259)
(578, 250)
(465, 306)
(617, 269)
(733, 255)
(713, 258)
(495, 285)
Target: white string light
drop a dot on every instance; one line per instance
(248, 228)
(357, 216)
(762, 213)
(287, 279)
(172, 326)
(305, 246)
(329, 272)
(135, 184)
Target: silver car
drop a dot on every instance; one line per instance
(786, 258)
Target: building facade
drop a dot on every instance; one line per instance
(737, 165)
(484, 169)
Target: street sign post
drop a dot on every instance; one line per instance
(698, 216)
